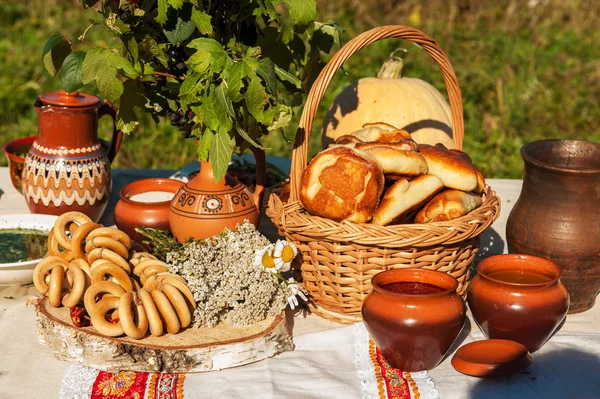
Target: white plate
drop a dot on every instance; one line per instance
(19, 273)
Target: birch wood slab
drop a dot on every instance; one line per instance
(191, 350)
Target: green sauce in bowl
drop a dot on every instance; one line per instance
(20, 245)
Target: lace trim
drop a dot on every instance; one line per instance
(78, 382)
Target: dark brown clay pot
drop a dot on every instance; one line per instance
(204, 207)
(413, 331)
(557, 216)
(68, 167)
(130, 214)
(519, 298)
(14, 151)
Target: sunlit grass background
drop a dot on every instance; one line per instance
(527, 69)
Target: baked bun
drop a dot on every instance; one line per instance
(342, 183)
(403, 198)
(380, 132)
(455, 170)
(347, 139)
(448, 205)
(402, 144)
(395, 161)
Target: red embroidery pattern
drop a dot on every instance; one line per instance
(123, 385)
(394, 380)
(166, 386)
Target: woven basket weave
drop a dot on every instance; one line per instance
(339, 258)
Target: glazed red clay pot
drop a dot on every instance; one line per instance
(131, 214)
(557, 215)
(519, 298)
(415, 326)
(14, 151)
(68, 167)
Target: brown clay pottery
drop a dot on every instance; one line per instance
(145, 203)
(491, 357)
(519, 298)
(67, 167)
(557, 216)
(413, 316)
(16, 151)
(204, 207)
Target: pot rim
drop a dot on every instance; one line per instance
(445, 281)
(141, 186)
(529, 158)
(489, 262)
(10, 146)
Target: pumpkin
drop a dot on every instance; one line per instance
(406, 103)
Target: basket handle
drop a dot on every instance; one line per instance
(300, 152)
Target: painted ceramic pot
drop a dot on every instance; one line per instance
(557, 215)
(15, 151)
(68, 167)
(519, 298)
(145, 203)
(204, 207)
(413, 316)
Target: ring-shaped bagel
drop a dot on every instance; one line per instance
(182, 287)
(79, 237)
(43, 268)
(151, 271)
(106, 242)
(132, 315)
(54, 249)
(105, 253)
(55, 287)
(77, 281)
(138, 257)
(102, 287)
(113, 233)
(99, 321)
(146, 263)
(152, 313)
(115, 272)
(166, 311)
(152, 282)
(82, 264)
(60, 226)
(179, 304)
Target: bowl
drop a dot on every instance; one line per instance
(145, 203)
(13, 150)
(20, 273)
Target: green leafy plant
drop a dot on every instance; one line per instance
(224, 72)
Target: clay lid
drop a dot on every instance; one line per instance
(73, 99)
(491, 357)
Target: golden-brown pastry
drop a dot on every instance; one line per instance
(342, 183)
(405, 197)
(347, 139)
(455, 170)
(394, 160)
(380, 131)
(448, 205)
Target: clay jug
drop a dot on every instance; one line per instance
(557, 215)
(203, 207)
(68, 167)
(413, 326)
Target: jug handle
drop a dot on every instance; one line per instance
(261, 176)
(108, 109)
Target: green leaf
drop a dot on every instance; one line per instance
(183, 30)
(288, 77)
(162, 12)
(224, 103)
(54, 53)
(70, 73)
(282, 115)
(131, 45)
(256, 99)
(205, 144)
(302, 12)
(219, 60)
(132, 97)
(149, 48)
(190, 88)
(266, 70)
(238, 71)
(101, 65)
(122, 63)
(220, 153)
(176, 4)
(247, 137)
(202, 21)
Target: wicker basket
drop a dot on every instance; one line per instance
(339, 258)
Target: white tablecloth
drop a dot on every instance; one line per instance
(567, 367)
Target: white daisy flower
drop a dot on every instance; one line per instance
(264, 257)
(296, 290)
(285, 252)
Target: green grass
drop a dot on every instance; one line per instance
(526, 73)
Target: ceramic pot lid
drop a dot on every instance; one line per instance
(491, 357)
(73, 99)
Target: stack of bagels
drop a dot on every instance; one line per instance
(124, 290)
(379, 174)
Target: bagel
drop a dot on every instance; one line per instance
(109, 243)
(166, 311)
(152, 313)
(102, 287)
(179, 304)
(113, 233)
(55, 288)
(107, 254)
(54, 249)
(132, 315)
(147, 263)
(183, 288)
(77, 282)
(99, 273)
(98, 316)
(60, 226)
(45, 267)
(153, 281)
(151, 271)
(79, 237)
(82, 264)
